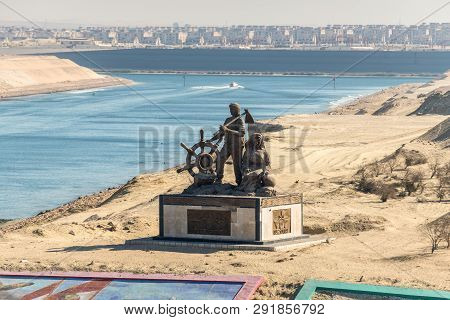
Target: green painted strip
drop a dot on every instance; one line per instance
(312, 286)
(307, 291)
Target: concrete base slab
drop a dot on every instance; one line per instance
(155, 243)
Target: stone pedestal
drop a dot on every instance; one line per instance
(235, 219)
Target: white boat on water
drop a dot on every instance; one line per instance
(234, 85)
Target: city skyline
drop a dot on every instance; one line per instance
(394, 37)
(213, 13)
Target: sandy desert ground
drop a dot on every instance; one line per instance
(376, 242)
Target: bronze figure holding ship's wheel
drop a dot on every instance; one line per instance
(204, 160)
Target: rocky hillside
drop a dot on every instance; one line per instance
(437, 102)
(440, 133)
(408, 99)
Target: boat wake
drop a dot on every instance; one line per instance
(93, 90)
(224, 87)
(344, 100)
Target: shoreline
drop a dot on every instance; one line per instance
(25, 75)
(64, 87)
(268, 74)
(86, 48)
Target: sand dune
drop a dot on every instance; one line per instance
(403, 100)
(439, 133)
(27, 75)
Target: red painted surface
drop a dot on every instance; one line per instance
(42, 292)
(92, 288)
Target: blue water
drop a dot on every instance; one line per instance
(285, 61)
(56, 147)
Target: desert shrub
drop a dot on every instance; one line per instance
(434, 166)
(364, 171)
(367, 185)
(38, 232)
(402, 194)
(443, 174)
(364, 180)
(434, 235)
(447, 236)
(392, 163)
(444, 171)
(386, 191)
(413, 181)
(442, 188)
(441, 192)
(377, 168)
(437, 231)
(413, 158)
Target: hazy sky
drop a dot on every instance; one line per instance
(225, 12)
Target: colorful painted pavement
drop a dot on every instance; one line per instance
(120, 286)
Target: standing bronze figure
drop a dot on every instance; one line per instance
(205, 163)
(233, 133)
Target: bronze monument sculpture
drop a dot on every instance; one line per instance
(203, 161)
(251, 167)
(256, 168)
(215, 214)
(233, 132)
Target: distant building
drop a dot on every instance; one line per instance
(390, 37)
(68, 42)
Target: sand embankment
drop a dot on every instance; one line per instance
(318, 155)
(29, 75)
(421, 98)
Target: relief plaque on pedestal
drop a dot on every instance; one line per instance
(281, 221)
(209, 222)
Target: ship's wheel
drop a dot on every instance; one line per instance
(201, 158)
